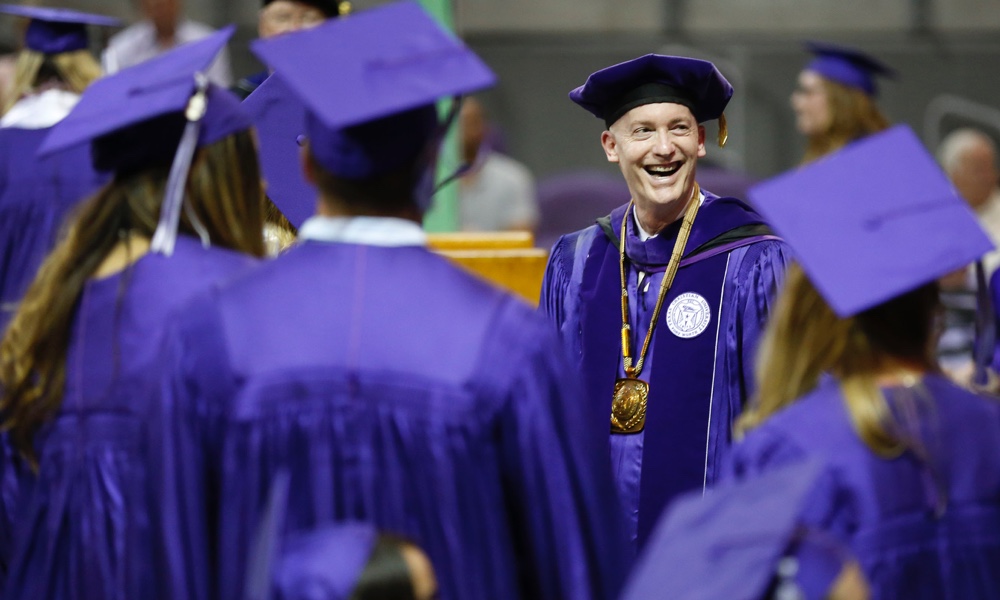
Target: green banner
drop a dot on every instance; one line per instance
(443, 215)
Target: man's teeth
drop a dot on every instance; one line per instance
(662, 170)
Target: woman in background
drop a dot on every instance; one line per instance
(52, 70)
(847, 375)
(834, 101)
(77, 364)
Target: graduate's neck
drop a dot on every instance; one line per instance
(328, 206)
(130, 249)
(654, 218)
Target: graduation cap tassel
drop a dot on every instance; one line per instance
(723, 131)
(170, 212)
(426, 188)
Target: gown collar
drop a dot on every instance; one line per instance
(388, 232)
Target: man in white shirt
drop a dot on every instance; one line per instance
(162, 28)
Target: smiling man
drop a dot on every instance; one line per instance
(661, 303)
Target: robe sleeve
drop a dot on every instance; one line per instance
(568, 526)
(760, 280)
(195, 380)
(14, 477)
(555, 285)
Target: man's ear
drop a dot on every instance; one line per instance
(701, 141)
(610, 145)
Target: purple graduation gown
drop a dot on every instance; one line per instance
(35, 196)
(397, 390)
(81, 526)
(698, 385)
(919, 529)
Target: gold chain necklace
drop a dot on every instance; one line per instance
(628, 408)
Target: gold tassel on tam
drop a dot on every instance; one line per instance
(723, 131)
(344, 8)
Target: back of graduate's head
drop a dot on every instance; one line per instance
(806, 339)
(55, 52)
(873, 227)
(222, 188)
(382, 167)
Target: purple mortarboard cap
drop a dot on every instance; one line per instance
(372, 110)
(156, 108)
(280, 118)
(319, 564)
(324, 564)
(729, 543)
(57, 30)
(613, 91)
(848, 66)
(872, 221)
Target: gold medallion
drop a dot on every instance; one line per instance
(628, 409)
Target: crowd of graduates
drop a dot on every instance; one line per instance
(231, 368)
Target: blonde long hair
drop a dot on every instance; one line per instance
(853, 115)
(76, 70)
(805, 339)
(223, 189)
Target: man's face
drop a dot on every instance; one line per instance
(163, 13)
(657, 147)
(811, 105)
(284, 16)
(975, 176)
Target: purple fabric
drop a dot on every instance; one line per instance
(906, 545)
(280, 118)
(848, 66)
(882, 219)
(727, 543)
(324, 564)
(55, 38)
(36, 194)
(581, 295)
(697, 84)
(400, 58)
(82, 526)
(444, 414)
(56, 30)
(156, 87)
(571, 201)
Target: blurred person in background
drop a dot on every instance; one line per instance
(284, 16)
(968, 156)
(497, 193)
(162, 27)
(834, 101)
(76, 361)
(53, 69)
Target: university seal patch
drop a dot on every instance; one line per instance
(688, 315)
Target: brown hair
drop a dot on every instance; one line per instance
(76, 69)
(806, 339)
(223, 189)
(853, 115)
(385, 194)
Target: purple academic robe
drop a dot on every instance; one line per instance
(397, 390)
(699, 371)
(919, 528)
(35, 196)
(80, 527)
